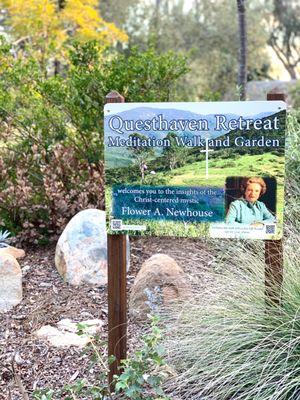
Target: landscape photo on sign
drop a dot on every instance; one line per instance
(195, 169)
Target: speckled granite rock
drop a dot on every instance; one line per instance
(81, 251)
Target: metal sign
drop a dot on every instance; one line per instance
(195, 169)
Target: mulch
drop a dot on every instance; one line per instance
(28, 363)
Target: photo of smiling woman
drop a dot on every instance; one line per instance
(248, 209)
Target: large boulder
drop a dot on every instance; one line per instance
(10, 282)
(81, 251)
(159, 283)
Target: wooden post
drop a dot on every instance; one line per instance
(117, 301)
(273, 252)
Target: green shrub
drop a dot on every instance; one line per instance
(153, 179)
(143, 373)
(51, 130)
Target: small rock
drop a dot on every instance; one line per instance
(10, 282)
(19, 317)
(18, 359)
(65, 333)
(81, 251)
(159, 283)
(45, 284)
(92, 325)
(25, 270)
(86, 314)
(61, 339)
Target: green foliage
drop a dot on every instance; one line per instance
(51, 130)
(206, 32)
(146, 76)
(142, 376)
(44, 394)
(174, 155)
(295, 95)
(143, 372)
(155, 180)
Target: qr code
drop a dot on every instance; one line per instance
(270, 229)
(116, 224)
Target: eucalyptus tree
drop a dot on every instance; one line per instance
(207, 32)
(284, 24)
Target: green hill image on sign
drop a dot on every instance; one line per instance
(195, 169)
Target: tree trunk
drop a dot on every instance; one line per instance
(61, 4)
(292, 72)
(142, 169)
(242, 74)
(156, 24)
(57, 65)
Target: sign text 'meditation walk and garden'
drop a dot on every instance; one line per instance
(195, 169)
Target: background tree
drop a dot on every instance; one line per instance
(117, 11)
(284, 22)
(43, 27)
(141, 155)
(174, 154)
(206, 33)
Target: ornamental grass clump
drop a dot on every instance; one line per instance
(227, 344)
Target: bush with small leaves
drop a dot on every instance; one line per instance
(51, 130)
(142, 373)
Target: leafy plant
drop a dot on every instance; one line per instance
(141, 379)
(51, 130)
(143, 373)
(44, 394)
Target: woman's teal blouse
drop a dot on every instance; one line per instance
(242, 211)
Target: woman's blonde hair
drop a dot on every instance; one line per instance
(254, 179)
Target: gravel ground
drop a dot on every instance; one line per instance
(28, 363)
